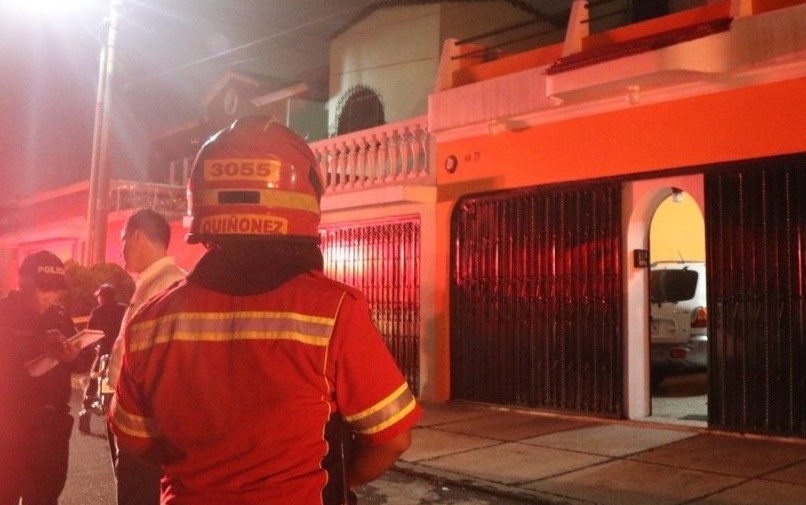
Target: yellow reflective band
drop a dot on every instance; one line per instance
(231, 326)
(406, 410)
(269, 197)
(385, 413)
(242, 169)
(134, 425)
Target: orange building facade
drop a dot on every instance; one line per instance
(699, 101)
(498, 236)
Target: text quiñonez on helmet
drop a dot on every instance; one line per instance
(248, 224)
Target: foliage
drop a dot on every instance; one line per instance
(82, 282)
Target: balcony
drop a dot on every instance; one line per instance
(702, 49)
(393, 154)
(167, 199)
(392, 158)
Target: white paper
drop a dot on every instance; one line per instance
(43, 364)
(86, 338)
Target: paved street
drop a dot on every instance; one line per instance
(90, 480)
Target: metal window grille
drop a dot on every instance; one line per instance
(382, 259)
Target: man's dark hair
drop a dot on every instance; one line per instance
(152, 224)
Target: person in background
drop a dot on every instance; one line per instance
(107, 317)
(145, 238)
(35, 420)
(258, 379)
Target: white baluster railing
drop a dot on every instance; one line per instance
(165, 198)
(391, 154)
(387, 155)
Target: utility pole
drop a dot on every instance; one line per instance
(98, 208)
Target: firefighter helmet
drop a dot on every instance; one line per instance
(255, 179)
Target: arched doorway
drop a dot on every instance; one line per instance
(361, 108)
(640, 200)
(678, 331)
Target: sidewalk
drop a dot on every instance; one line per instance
(553, 459)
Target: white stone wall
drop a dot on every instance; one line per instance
(395, 51)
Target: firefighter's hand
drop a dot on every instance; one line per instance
(58, 347)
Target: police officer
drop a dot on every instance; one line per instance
(35, 420)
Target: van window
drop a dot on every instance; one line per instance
(670, 286)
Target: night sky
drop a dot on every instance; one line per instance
(47, 100)
(169, 54)
(165, 61)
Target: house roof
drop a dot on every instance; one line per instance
(262, 83)
(530, 7)
(173, 54)
(290, 40)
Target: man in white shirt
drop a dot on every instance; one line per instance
(145, 238)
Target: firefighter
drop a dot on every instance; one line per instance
(258, 379)
(35, 420)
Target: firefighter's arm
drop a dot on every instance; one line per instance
(371, 392)
(129, 418)
(115, 362)
(371, 459)
(132, 431)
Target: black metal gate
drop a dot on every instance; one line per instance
(536, 299)
(756, 248)
(382, 259)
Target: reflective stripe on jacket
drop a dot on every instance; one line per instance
(234, 394)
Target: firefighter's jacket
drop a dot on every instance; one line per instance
(240, 397)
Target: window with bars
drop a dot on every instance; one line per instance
(382, 259)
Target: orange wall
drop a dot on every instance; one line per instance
(186, 254)
(760, 6)
(677, 231)
(737, 124)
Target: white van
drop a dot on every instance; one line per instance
(678, 318)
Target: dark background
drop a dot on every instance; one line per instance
(168, 55)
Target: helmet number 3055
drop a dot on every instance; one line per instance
(242, 169)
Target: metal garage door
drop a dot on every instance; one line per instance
(756, 253)
(536, 299)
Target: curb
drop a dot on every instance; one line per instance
(532, 497)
